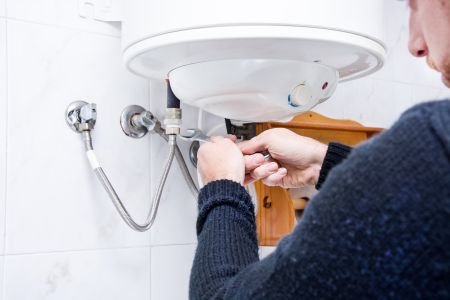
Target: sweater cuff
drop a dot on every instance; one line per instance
(222, 192)
(336, 153)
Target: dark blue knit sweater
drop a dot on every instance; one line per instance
(378, 229)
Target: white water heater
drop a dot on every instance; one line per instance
(253, 60)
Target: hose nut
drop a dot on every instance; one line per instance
(172, 121)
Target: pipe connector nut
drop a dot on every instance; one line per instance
(172, 121)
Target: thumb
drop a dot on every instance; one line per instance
(256, 144)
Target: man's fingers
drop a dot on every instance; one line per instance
(264, 170)
(253, 161)
(216, 138)
(252, 146)
(275, 179)
(232, 137)
(248, 179)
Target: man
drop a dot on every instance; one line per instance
(380, 225)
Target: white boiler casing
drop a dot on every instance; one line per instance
(253, 60)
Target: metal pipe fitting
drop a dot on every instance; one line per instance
(81, 117)
(172, 121)
(144, 119)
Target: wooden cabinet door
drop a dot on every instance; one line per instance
(276, 207)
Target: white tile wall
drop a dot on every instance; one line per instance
(444, 93)
(265, 251)
(58, 12)
(171, 268)
(372, 102)
(3, 117)
(91, 275)
(2, 266)
(53, 200)
(421, 92)
(55, 209)
(401, 65)
(2, 8)
(396, 40)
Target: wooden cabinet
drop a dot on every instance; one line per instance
(277, 209)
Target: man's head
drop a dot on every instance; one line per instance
(429, 35)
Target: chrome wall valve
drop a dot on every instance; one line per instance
(136, 122)
(81, 116)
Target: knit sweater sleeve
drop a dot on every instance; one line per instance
(336, 153)
(379, 228)
(227, 241)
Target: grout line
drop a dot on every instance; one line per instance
(6, 120)
(173, 245)
(76, 251)
(150, 272)
(408, 83)
(96, 249)
(150, 144)
(62, 27)
(2, 287)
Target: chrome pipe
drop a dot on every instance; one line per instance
(183, 167)
(101, 176)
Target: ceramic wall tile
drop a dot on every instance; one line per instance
(398, 62)
(175, 223)
(3, 118)
(369, 101)
(400, 65)
(171, 267)
(264, 251)
(2, 8)
(426, 93)
(54, 199)
(2, 266)
(444, 93)
(424, 75)
(385, 103)
(64, 13)
(109, 274)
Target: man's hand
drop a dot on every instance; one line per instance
(299, 158)
(220, 159)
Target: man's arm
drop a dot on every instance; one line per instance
(226, 239)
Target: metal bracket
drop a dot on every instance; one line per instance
(100, 10)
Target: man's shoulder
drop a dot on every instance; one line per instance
(434, 109)
(432, 115)
(423, 130)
